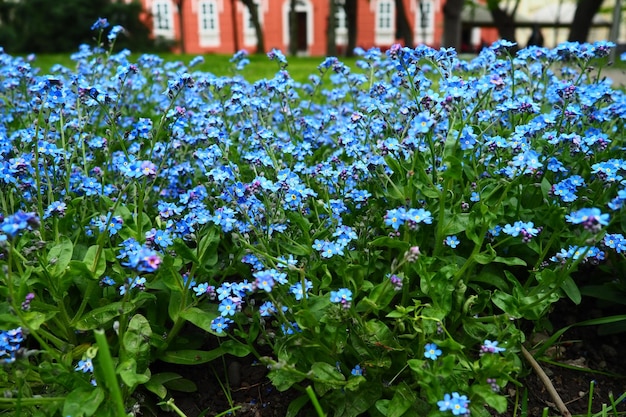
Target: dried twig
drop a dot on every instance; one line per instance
(547, 383)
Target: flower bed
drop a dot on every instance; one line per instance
(383, 232)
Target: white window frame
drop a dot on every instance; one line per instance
(425, 28)
(208, 23)
(163, 18)
(385, 25)
(341, 23)
(249, 33)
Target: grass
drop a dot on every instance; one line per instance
(260, 66)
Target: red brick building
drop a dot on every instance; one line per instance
(223, 26)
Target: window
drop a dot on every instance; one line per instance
(385, 22)
(425, 22)
(249, 33)
(208, 23)
(341, 23)
(162, 19)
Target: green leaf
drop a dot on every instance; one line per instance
(495, 401)
(454, 168)
(195, 357)
(296, 405)
(283, 379)
(182, 250)
(402, 400)
(235, 348)
(455, 223)
(200, 318)
(83, 402)
(127, 370)
(157, 381)
(328, 374)
(295, 249)
(181, 385)
(100, 316)
(208, 247)
(60, 256)
(570, 289)
(174, 305)
(387, 242)
(95, 261)
(136, 340)
(510, 261)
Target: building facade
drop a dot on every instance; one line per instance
(224, 26)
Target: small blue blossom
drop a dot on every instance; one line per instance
(342, 296)
(489, 346)
(452, 241)
(220, 324)
(228, 307)
(458, 404)
(357, 370)
(84, 366)
(590, 218)
(432, 351)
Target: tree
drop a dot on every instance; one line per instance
(181, 24)
(350, 7)
(585, 11)
(331, 39)
(452, 24)
(253, 9)
(293, 28)
(504, 21)
(403, 28)
(53, 26)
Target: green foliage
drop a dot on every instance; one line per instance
(48, 26)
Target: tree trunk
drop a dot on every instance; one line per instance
(293, 28)
(403, 28)
(254, 17)
(181, 25)
(233, 16)
(452, 24)
(331, 41)
(585, 11)
(350, 6)
(505, 22)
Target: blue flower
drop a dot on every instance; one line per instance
(220, 324)
(343, 296)
(489, 346)
(12, 225)
(228, 307)
(296, 289)
(459, 404)
(418, 216)
(357, 370)
(101, 23)
(395, 218)
(456, 403)
(84, 366)
(264, 281)
(432, 351)
(452, 241)
(9, 344)
(267, 309)
(590, 218)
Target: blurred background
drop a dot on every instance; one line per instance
(304, 27)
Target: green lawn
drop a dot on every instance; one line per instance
(260, 66)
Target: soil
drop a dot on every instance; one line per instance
(592, 357)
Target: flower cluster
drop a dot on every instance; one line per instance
(10, 343)
(456, 403)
